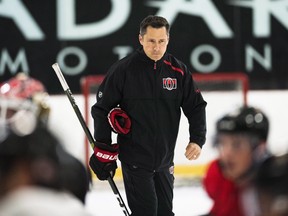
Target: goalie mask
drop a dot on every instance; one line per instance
(22, 105)
(119, 121)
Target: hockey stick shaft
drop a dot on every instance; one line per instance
(90, 138)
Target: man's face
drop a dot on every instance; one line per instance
(154, 42)
(235, 155)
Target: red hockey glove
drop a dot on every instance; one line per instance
(119, 121)
(103, 161)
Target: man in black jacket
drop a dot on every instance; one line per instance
(151, 86)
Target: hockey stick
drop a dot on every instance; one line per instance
(69, 94)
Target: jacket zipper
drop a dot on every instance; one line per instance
(155, 95)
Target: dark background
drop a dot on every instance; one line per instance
(187, 32)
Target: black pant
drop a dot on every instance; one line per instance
(149, 193)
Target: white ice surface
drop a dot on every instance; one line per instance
(188, 201)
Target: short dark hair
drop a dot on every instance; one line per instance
(155, 22)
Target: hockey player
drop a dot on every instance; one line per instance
(151, 86)
(271, 184)
(31, 178)
(24, 105)
(241, 142)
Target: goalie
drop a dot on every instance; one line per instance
(24, 104)
(23, 107)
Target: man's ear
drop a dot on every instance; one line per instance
(140, 39)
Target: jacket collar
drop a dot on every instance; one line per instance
(144, 57)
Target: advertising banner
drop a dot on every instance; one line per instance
(87, 37)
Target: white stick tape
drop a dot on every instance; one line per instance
(60, 76)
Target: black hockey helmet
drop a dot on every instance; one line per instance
(246, 119)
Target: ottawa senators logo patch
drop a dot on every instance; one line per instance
(169, 83)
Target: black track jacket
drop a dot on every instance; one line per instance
(152, 93)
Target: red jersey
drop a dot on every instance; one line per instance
(223, 192)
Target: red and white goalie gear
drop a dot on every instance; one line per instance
(22, 87)
(23, 102)
(119, 121)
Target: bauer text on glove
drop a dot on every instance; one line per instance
(103, 161)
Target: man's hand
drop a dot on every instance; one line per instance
(193, 151)
(103, 161)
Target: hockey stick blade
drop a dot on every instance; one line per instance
(69, 94)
